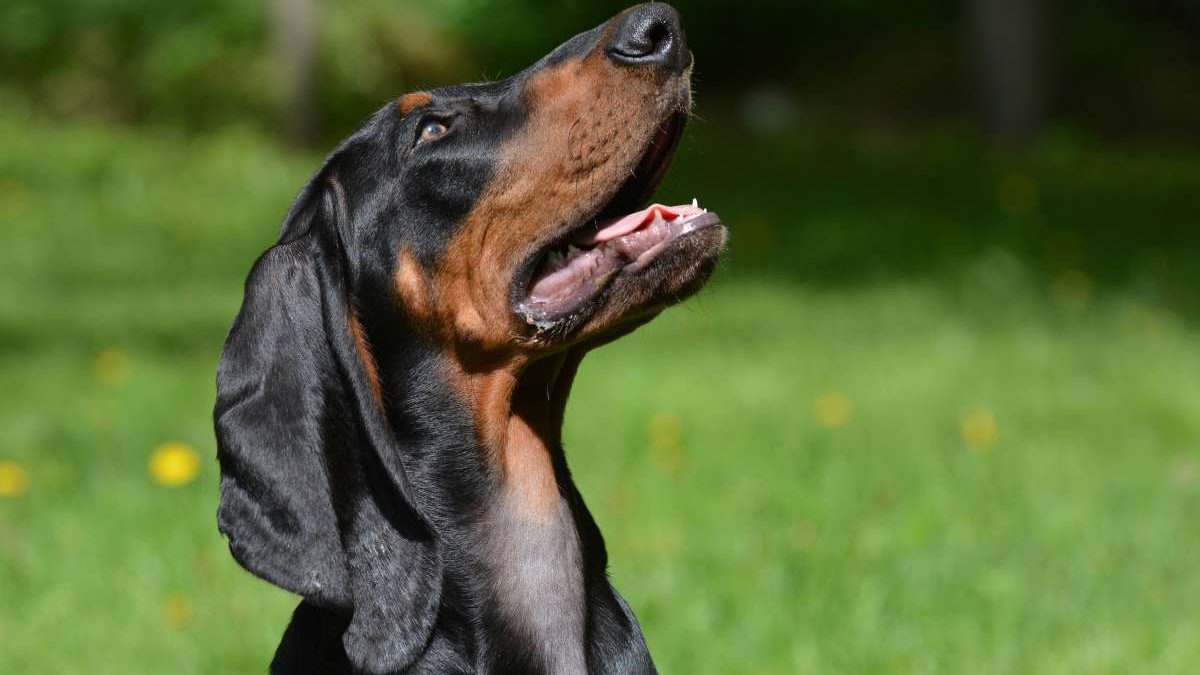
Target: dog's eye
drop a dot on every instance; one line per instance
(432, 130)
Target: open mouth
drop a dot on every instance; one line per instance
(569, 274)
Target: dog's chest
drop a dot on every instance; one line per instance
(536, 582)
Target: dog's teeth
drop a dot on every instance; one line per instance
(695, 203)
(573, 250)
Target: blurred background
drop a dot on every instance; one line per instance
(938, 412)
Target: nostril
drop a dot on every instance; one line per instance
(657, 35)
(642, 40)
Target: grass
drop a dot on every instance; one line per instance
(937, 414)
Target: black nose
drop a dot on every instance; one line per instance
(650, 35)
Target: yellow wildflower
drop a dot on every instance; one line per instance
(111, 367)
(173, 464)
(832, 410)
(13, 479)
(176, 610)
(979, 430)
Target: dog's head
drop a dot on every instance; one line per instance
(510, 215)
(495, 222)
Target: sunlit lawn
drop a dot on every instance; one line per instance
(904, 431)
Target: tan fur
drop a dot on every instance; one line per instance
(413, 100)
(513, 426)
(412, 291)
(528, 470)
(363, 349)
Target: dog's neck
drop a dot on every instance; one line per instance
(518, 413)
(528, 547)
(532, 550)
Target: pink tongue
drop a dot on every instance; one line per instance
(619, 227)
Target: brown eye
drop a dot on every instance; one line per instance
(432, 130)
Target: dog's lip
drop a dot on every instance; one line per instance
(567, 279)
(629, 196)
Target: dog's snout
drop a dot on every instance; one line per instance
(650, 35)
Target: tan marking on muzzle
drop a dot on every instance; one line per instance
(586, 129)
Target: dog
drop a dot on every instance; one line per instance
(390, 398)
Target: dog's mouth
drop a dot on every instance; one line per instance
(567, 278)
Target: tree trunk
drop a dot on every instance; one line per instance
(294, 34)
(1008, 50)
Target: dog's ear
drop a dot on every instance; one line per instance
(314, 496)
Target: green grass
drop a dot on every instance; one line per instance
(925, 281)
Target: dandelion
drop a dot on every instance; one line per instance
(979, 430)
(111, 367)
(665, 433)
(832, 410)
(174, 464)
(13, 479)
(665, 430)
(14, 198)
(176, 610)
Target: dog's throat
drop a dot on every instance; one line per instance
(527, 473)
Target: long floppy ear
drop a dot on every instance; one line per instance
(314, 497)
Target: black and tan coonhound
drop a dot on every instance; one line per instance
(390, 398)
